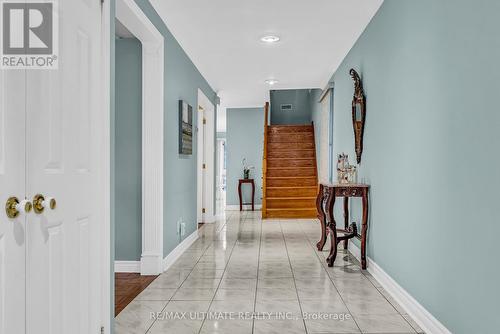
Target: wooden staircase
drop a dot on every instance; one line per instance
(289, 172)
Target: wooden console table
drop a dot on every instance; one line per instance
(325, 203)
(242, 181)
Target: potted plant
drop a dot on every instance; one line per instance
(246, 169)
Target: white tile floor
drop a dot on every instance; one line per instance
(245, 275)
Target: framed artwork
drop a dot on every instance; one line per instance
(185, 128)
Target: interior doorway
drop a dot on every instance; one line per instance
(206, 157)
(220, 195)
(325, 166)
(138, 152)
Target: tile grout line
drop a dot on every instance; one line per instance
(222, 277)
(331, 280)
(293, 277)
(257, 282)
(363, 272)
(177, 289)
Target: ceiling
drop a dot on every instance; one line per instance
(222, 38)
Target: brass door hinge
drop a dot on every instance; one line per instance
(204, 121)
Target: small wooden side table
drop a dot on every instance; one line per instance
(325, 203)
(242, 181)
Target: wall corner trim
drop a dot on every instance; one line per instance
(127, 266)
(179, 250)
(422, 317)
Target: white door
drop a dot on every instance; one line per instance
(12, 183)
(62, 262)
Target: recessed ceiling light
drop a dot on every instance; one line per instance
(270, 39)
(271, 81)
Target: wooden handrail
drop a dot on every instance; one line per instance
(264, 161)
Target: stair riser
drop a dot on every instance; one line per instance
(290, 146)
(291, 154)
(292, 192)
(289, 163)
(292, 214)
(291, 203)
(292, 137)
(290, 129)
(292, 182)
(291, 172)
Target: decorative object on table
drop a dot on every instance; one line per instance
(358, 113)
(240, 183)
(185, 128)
(246, 169)
(346, 173)
(325, 203)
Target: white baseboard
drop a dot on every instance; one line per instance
(177, 251)
(151, 263)
(422, 317)
(245, 207)
(127, 266)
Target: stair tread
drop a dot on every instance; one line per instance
(290, 209)
(283, 167)
(290, 158)
(291, 187)
(292, 177)
(293, 197)
(295, 149)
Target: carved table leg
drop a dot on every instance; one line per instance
(364, 228)
(253, 195)
(322, 218)
(239, 194)
(346, 218)
(332, 229)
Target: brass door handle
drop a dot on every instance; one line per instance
(41, 202)
(14, 208)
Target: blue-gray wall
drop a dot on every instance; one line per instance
(244, 139)
(431, 76)
(128, 149)
(182, 80)
(301, 101)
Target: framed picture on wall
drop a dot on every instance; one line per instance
(185, 128)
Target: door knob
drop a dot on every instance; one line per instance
(14, 208)
(40, 203)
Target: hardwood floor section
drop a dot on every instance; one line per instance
(127, 287)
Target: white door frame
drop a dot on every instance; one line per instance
(103, 129)
(129, 13)
(209, 147)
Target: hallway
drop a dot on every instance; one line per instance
(267, 268)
